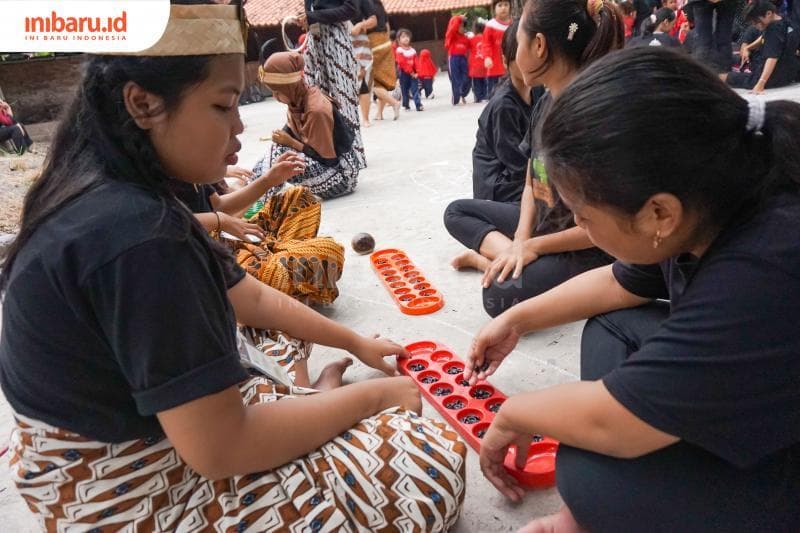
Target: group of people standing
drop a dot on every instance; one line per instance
(160, 383)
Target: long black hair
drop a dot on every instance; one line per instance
(599, 141)
(651, 23)
(98, 140)
(594, 35)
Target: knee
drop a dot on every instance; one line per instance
(500, 297)
(452, 214)
(575, 486)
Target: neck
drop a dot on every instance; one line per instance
(522, 90)
(503, 20)
(559, 81)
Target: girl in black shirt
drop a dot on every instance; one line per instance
(136, 405)
(527, 249)
(688, 415)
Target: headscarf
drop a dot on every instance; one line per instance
(310, 114)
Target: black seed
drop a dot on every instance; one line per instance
(495, 407)
(416, 367)
(464, 383)
(429, 379)
(481, 433)
(537, 438)
(481, 394)
(456, 404)
(471, 419)
(455, 370)
(442, 391)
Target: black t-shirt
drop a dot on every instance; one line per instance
(116, 309)
(330, 11)
(723, 371)
(380, 13)
(196, 197)
(780, 42)
(366, 9)
(552, 215)
(498, 163)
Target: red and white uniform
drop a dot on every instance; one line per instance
(493, 46)
(476, 57)
(406, 58)
(455, 42)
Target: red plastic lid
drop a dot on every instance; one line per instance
(540, 467)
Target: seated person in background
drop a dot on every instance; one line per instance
(777, 64)
(314, 127)
(12, 131)
(656, 30)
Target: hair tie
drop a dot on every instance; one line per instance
(653, 18)
(756, 113)
(594, 7)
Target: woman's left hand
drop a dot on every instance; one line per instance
(494, 448)
(373, 351)
(287, 166)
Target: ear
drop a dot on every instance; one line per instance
(662, 214)
(144, 107)
(540, 45)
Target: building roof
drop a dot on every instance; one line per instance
(271, 12)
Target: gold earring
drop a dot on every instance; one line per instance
(657, 239)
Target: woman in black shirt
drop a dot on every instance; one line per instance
(688, 415)
(136, 405)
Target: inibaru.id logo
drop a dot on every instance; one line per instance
(56, 27)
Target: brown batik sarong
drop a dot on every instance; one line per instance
(392, 472)
(384, 71)
(291, 258)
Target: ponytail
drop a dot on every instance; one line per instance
(577, 32)
(651, 23)
(610, 33)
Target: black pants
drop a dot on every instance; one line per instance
(426, 86)
(679, 488)
(19, 137)
(469, 221)
(713, 44)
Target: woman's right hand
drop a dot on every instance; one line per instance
(238, 227)
(511, 261)
(400, 391)
(489, 348)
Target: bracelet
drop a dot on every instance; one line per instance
(219, 223)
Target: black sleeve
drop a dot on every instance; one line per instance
(646, 281)
(722, 372)
(774, 41)
(507, 140)
(367, 9)
(346, 11)
(164, 311)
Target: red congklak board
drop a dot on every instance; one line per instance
(438, 372)
(406, 283)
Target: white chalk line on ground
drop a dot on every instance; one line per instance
(542, 362)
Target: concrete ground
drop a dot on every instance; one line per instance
(417, 165)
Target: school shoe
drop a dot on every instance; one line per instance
(433, 96)
(421, 108)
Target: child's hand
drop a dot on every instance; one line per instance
(415, 76)
(287, 166)
(511, 261)
(493, 343)
(372, 351)
(759, 87)
(402, 392)
(239, 173)
(238, 227)
(494, 448)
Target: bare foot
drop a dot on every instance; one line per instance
(470, 259)
(331, 375)
(366, 124)
(561, 522)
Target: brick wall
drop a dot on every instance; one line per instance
(39, 89)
